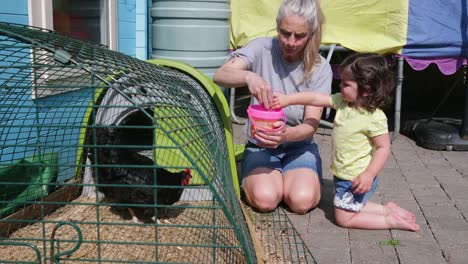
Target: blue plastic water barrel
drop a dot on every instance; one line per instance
(192, 31)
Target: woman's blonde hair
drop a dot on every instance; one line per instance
(311, 12)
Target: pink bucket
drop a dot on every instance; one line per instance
(263, 119)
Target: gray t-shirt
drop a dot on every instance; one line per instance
(263, 56)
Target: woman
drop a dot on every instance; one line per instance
(284, 165)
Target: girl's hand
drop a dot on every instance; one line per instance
(279, 100)
(270, 139)
(260, 89)
(362, 183)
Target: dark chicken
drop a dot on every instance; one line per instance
(130, 168)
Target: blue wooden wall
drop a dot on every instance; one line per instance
(126, 17)
(141, 29)
(133, 28)
(14, 12)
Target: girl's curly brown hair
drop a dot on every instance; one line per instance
(373, 76)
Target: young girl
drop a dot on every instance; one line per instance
(361, 143)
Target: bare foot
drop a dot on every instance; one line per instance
(405, 214)
(395, 221)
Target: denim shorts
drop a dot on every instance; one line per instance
(345, 199)
(287, 156)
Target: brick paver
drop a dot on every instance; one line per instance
(432, 184)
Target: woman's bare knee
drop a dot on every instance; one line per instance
(263, 190)
(301, 202)
(302, 190)
(264, 199)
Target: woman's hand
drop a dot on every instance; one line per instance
(270, 139)
(260, 89)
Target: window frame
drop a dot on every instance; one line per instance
(41, 15)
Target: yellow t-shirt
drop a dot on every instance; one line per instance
(353, 129)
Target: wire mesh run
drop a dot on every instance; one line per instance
(277, 239)
(87, 134)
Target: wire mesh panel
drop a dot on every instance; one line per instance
(108, 159)
(279, 239)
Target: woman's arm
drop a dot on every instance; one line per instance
(309, 126)
(234, 73)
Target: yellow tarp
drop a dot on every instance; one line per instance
(361, 25)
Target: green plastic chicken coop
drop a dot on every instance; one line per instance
(57, 92)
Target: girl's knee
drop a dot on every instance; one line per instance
(340, 221)
(342, 217)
